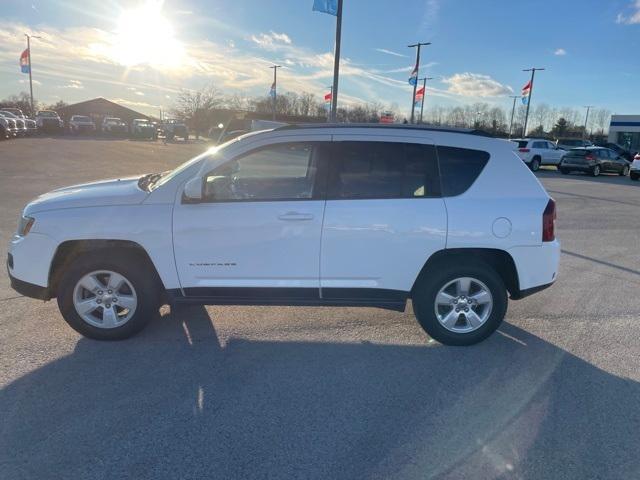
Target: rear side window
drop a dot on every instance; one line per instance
(368, 170)
(459, 168)
(521, 143)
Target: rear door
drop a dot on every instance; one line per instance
(384, 217)
(540, 149)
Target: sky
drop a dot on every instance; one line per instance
(142, 53)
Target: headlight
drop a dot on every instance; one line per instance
(24, 225)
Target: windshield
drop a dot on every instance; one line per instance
(79, 118)
(8, 114)
(571, 142)
(47, 114)
(154, 180)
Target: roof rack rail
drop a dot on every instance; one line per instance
(392, 126)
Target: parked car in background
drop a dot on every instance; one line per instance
(81, 124)
(49, 121)
(569, 143)
(21, 126)
(634, 171)
(536, 152)
(171, 129)
(623, 152)
(143, 128)
(594, 161)
(29, 123)
(5, 128)
(11, 128)
(113, 126)
(318, 215)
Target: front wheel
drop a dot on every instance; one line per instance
(107, 295)
(634, 176)
(460, 305)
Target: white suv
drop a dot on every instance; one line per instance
(335, 215)
(536, 152)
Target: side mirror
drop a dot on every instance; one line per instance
(192, 191)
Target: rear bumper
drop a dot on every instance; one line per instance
(537, 267)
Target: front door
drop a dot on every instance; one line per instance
(256, 234)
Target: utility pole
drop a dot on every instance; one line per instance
(513, 111)
(336, 64)
(586, 120)
(533, 71)
(274, 88)
(424, 94)
(416, 69)
(29, 37)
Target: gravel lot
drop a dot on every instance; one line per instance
(239, 392)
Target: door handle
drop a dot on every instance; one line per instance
(295, 216)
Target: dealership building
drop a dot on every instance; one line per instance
(625, 131)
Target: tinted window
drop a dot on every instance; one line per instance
(577, 153)
(539, 144)
(459, 168)
(521, 143)
(382, 170)
(603, 154)
(277, 172)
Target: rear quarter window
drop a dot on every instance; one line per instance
(459, 168)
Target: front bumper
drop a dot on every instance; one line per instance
(28, 289)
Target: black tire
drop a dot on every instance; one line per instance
(127, 265)
(634, 176)
(625, 171)
(535, 164)
(563, 171)
(595, 171)
(424, 295)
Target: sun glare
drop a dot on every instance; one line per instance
(145, 37)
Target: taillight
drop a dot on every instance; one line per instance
(549, 222)
(523, 150)
(590, 157)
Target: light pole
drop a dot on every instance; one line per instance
(533, 71)
(29, 37)
(415, 85)
(513, 111)
(274, 87)
(586, 120)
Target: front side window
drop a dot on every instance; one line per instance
(369, 170)
(278, 172)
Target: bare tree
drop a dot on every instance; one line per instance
(196, 107)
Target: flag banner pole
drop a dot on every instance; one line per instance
(336, 64)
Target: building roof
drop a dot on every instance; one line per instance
(101, 106)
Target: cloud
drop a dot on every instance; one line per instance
(389, 52)
(475, 85)
(560, 52)
(134, 103)
(76, 84)
(271, 40)
(633, 18)
(25, 81)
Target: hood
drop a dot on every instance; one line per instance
(121, 191)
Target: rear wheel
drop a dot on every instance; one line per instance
(107, 295)
(535, 164)
(595, 171)
(625, 171)
(563, 171)
(460, 305)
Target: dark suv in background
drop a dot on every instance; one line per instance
(593, 160)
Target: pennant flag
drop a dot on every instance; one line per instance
(326, 6)
(272, 92)
(419, 96)
(413, 79)
(25, 61)
(327, 98)
(526, 93)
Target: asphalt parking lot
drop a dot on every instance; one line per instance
(254, 392)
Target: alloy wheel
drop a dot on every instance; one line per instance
(463, 305)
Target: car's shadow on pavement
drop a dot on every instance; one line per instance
(175, 403)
